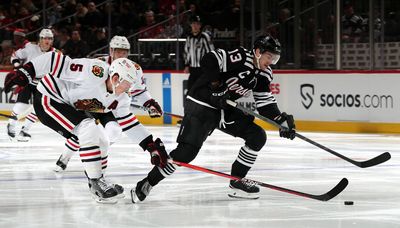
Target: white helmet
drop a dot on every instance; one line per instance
(120, 42)
(46, 33)
(129, 71)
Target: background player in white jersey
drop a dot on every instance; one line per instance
(19, 57)
(126, 120)
(69, 90)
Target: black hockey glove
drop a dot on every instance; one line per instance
(154, 108)
(159, 156)
(219, 96)
(20, 77)
(287, 129)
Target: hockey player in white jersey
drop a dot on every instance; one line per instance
(69, 90)
(18, 58)
(126, 120)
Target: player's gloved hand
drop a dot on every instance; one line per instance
(287, 129)
(155, 110)
(219, 96)
(159, 156)
(15, 78)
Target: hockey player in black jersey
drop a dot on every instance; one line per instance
(227, 75)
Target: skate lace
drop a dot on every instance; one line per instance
(249, 183)
(146, 188)
(103, 184)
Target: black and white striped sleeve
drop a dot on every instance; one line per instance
(266, 103)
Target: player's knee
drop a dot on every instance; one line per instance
(184, 153)
(88, 132)
(256, 138)
(113, 131)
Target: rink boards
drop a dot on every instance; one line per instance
(341, 101)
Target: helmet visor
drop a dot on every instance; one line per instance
(275, 58)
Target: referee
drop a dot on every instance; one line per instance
(197, 44)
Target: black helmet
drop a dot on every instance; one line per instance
(267, 43)
(195, 18)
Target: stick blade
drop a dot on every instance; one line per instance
(376, 160)
(334, 191)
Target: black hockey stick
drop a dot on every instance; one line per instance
(166, 113)
(324, 197)
(363, 164)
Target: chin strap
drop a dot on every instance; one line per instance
(257, 59)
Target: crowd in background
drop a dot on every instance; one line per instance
(81, 26)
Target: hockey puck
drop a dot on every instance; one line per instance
(348, 202)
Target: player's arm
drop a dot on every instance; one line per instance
(18, 57)
(23, 76)
(267, 106)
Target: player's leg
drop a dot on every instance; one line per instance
(67, 121)
(71, 147)
(197, 124)
(255, 138)
(20, 106)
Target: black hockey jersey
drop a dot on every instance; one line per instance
(235, 68)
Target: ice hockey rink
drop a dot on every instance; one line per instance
(32, 195)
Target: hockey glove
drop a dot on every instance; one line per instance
(154, 108)
(159, 156)
(219, 96)
(287, 129)
(20, 77)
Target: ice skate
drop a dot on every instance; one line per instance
(61, 165)
(244, 189)
(102, 191)
(23, 136)
(11, 131)
(141, 191)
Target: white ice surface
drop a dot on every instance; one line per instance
(32, 195)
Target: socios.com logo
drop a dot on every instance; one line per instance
(307, 94)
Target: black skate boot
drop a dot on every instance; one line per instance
(61, 165)
(102, 191)
(11, 131)
(120, 190)
(244, 189)
(142, 190)
(23, 136)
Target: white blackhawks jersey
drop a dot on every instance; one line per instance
(27, 53)
(80, 83)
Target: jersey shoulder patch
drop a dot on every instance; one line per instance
(99, 68)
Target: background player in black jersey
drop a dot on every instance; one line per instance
(227, 75)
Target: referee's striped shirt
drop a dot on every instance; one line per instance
(196, 47)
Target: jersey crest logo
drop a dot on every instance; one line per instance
(137, 66)
(98, 71)
(90, 105)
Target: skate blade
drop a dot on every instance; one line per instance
(239, 194)
(120, 196)
(23, 139)
(58, 169)
(111, 200)
(134, 198)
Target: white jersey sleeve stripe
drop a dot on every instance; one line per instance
(263, 98)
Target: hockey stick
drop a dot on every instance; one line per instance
(19, 116)
(363, 164)
(9, 116)
(324, 197)
(146, 109)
